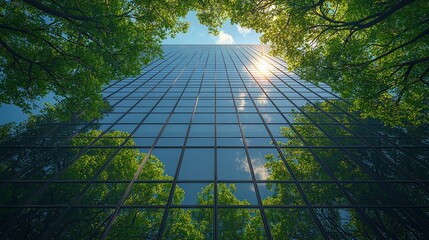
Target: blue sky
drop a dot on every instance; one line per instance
(199, 34)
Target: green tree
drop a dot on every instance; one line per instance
(72, 48)
(375, 53)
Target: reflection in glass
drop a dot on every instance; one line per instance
(197, 164)
(236, 194)
(280, 194)
(292, 223)
(137, 223)
(151, 194)
(193, 193)
(317, 168)
(240, 223)
(232, 164)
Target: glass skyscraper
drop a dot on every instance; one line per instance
(215, 142)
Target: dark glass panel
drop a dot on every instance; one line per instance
(232, 164)
(137, 223)
(194, 194)
(236, 194)
(200, 142)
(292, 223)
(161, 165)
(190, 223)
(280, 194)
(201, 130)
(149, 194)
(170, 142)
(397, 223)
(230, 142)
(240, 223)
(304, 165)
(197, 164)
(324, 194)
(31, 223)
(228, 130)
(255, 130)
(175, 130)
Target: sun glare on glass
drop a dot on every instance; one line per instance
(264, 67)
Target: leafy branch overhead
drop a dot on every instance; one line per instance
(374, 53)
(73, 48)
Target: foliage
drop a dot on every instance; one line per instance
(375, 53)
(72, 48)
(6, 132)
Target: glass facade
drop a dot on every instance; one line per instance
(216, 142)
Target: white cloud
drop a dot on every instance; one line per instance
(261, 172)
(258, 167)
(224, 38)
(243, 31)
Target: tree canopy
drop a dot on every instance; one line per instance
(72, 48)
(374, 53)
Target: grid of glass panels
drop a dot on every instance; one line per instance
(216, 142)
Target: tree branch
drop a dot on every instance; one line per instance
(360, 24)
(55, 12)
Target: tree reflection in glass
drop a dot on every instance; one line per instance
(340, 223)
(114, 158)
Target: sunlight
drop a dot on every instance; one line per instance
(263, 66)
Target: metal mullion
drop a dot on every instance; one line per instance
(255, 146)
(171, 195)
(392, 191)
(76, 157)
(135, 89)
(297, 183)
(113, 216)
(384, 184)
(215, 187)
(252, 173)
(138, 87)
(281, 61)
